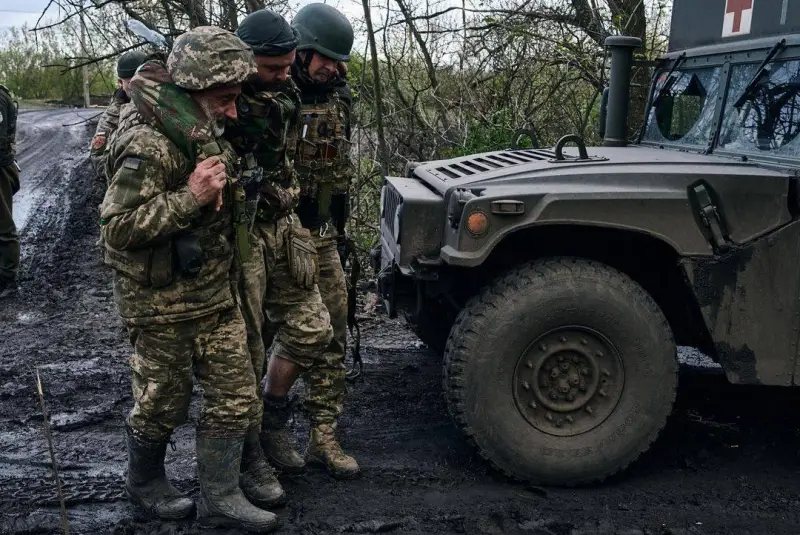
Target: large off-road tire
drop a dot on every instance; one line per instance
(562, 371)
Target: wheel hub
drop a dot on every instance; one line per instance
(568, 381)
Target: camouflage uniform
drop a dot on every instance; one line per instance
(9, 185)
(269, 290)
(106, 126)
(174, 285)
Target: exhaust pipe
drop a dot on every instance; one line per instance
(622, 47)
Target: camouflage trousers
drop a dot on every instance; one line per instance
(270, 295)
(9, 241)
(214, 348)
(325, 380)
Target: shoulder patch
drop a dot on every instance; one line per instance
(132, 163)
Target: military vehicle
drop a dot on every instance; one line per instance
(558, 282)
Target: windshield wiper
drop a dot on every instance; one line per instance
(668, 80)
(762, 69)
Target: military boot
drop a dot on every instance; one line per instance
(147, 486)
(324, 449)
(257, 478)
(275, 438)
(222, 502)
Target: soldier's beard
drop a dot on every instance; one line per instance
(216, 120)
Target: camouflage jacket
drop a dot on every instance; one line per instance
(8, 127)
(322, 147)
(260, 135)
(148, 208)
(106, 127)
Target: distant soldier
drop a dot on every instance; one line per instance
(126, 68)
(9, 185)
(279, 283)
(322, 162)
(173, 224)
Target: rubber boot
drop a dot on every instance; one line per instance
(147, 486)
(324, 449)
(222, 502)
(275, 438)
(257, 479)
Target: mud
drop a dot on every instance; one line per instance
(726, 463)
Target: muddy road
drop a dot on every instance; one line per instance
(726, 463)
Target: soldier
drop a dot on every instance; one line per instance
(172, 228)
(126, 68)
(279, 283)
(322, 161)
(9, 185)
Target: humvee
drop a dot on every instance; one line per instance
(558, 282)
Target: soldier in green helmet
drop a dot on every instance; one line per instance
(321, 151)
(278, 283)
(107, 125)
(173, 226)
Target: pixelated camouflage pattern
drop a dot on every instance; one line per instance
(162, 367)
(147, 205)
(265, 119)
(106, 127)
(269, 294)
(325, 373)
(208, 56)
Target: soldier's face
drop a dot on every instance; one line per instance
(124, 83)
(274, 69)
(322, 68)
(219, 103)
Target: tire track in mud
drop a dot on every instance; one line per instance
(727, 461)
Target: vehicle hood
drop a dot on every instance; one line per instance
(638, 165)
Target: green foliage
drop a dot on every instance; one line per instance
(34, 66)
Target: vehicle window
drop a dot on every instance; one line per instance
(685, 112)
(769, 117)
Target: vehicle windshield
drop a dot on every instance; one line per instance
(685, 112)
(768, 120)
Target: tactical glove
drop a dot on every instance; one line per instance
(303, 258)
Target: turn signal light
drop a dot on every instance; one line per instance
(477, 223)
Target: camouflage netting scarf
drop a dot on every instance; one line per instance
(169, 108)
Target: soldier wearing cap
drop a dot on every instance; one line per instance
(173, 226)
(279, 283)
(126, 68)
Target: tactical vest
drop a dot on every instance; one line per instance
(322, 156)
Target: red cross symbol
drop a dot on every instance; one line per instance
(736, 7)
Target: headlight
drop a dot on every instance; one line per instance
(383, 197)
(397, 223)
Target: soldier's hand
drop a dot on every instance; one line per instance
(207, 180)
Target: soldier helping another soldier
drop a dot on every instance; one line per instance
(174, 231)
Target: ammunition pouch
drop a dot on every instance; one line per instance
(189, 254)
(151, 266)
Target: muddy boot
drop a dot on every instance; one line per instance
(147, 486)
(323, 448)
(222, 502)
(257, 479)
(275, 437)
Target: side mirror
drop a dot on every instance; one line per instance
(601, 127)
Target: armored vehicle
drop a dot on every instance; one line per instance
(558, 282)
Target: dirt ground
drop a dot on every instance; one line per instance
(726, 463)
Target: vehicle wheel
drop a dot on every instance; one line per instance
(562, 372)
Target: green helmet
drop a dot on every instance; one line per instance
(208, 56)
(129, 62)
(324, 29)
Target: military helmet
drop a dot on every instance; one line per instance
(325, 29)
(208, 56)
(267, 33)
(129, 62)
